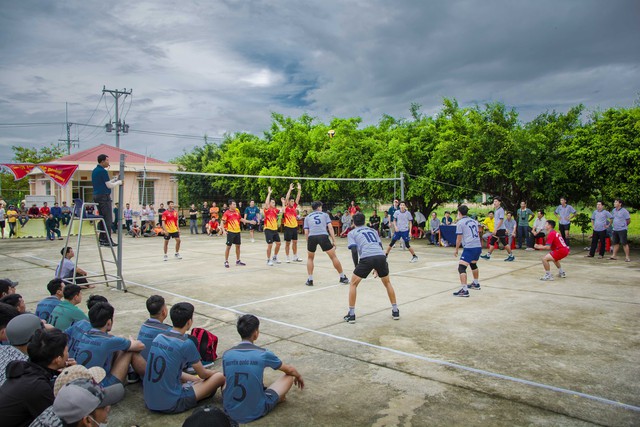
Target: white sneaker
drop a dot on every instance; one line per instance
(546, 278)
(297, 259)
(529, 249)
(253, 240)
(166, 258)
(178, 256)
(414, 259)
(276, 260)
(562, 275)
(288, 260)
(270, 263)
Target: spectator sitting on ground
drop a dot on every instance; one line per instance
(19, 330)
(14, 300)
(67, 313)
(7, 287)
(135, 230)
(113, 354)
(78, 330)
(248, 401)
(28, 389)
(67, 270)
(147, 229)
(153, 326)
(158, 230)
(46, 306)
(165, 391)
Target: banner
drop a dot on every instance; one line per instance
(19, 170)
(61, 174)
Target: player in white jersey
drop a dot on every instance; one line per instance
(468, 237)
(317, 229)
(402, 221)
(367, 253)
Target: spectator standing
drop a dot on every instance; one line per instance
(524, 216)
(151, 215)
(3, 218)
(353, 208)
(621, 221)
(392, 210)
(116, 217)
(12, 218)
(565, 213)
(193, 219)
(128, 216)
(144, 216)
(600, 222)
(161, 210)
(205, 215)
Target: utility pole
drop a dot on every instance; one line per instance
(68, 141)
(120, 127)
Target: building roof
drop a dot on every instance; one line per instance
(91, 155)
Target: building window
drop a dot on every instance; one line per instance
(146, 194)
(47, 187)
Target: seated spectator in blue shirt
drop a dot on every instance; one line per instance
(98, 348)
(80, 328)
(447, 220)
(46, 306)
(153, 326)
(244, 398)
(56, 211)
(166, 388)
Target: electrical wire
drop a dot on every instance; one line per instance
(130, 102)
(95, 109)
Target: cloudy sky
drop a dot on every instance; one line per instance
(216, 66)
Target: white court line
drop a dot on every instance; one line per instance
(398, 352)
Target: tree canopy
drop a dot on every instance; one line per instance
(457, 154)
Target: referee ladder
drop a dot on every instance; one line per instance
(80, 214)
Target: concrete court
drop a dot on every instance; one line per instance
(578, 334)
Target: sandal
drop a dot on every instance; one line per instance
(627, 260)
(87, 286)
(613, 258)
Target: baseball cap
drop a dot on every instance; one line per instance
(21, 328)
(76, 372)
(5, 284)
(207, 416)
(81, 397)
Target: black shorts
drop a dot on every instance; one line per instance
(377, 263)
(619, 237)
(500, 235)
(233, 238)
(2, 224)
(422, 225)
(322, 240)
(271, 236)
(252, 226)
(175, 235)
(290, 234)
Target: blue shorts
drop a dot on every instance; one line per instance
(109, 380)
(404, 235)
(470, 254)
(271, 399)
(186, 401)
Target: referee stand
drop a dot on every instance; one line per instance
(80, 214)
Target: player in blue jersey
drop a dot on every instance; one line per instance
(250, 213)
(97, 347)
(166, 388)
(468, 237)
(317, 229)
(79, 329)
(245, 398)
(46, 306)
(153, 326)
(367, 253)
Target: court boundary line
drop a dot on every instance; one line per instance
(398, 352)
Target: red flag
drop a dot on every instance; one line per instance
(19, 170)
(61, 174)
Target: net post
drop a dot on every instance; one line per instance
(401, 185)
(120, 219)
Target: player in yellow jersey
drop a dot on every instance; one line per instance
(170, 228)
(290, 222)
(231, 220)
(271, 234)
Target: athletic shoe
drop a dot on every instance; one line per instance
(270, 263)
(288, 260)
(510, 258)
(562, 275)
(350, 318)
(395, 314)
(475, 286)
(177, 255)
(600, 256)
(485, 256)
(226, 264)
(414, 259)
(529, 249)
(133, 377)
(296, 259)
(309, 282)
(546, 278)
(461, 293)
(344, 280)
(205, 365)
(165, 258)
(276, 260)
(240, 263)
(253, 240)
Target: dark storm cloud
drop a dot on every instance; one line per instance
(224, 66)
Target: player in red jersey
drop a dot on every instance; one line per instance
(271, 234)
(290, 222)
(231, 220)
(559, 250)
(170, 228)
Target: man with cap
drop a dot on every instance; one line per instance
(7, 287)
(28, 389)
(76, 373)
(19, 331)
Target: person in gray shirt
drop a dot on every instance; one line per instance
(468, 236)
(510, 225)
(524, 216)
(367, 253)
(621, 221)
(402, 221)
(565, 214)
(500, 231)
(317, 229)
(600, 221)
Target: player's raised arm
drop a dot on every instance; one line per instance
(299, 192)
